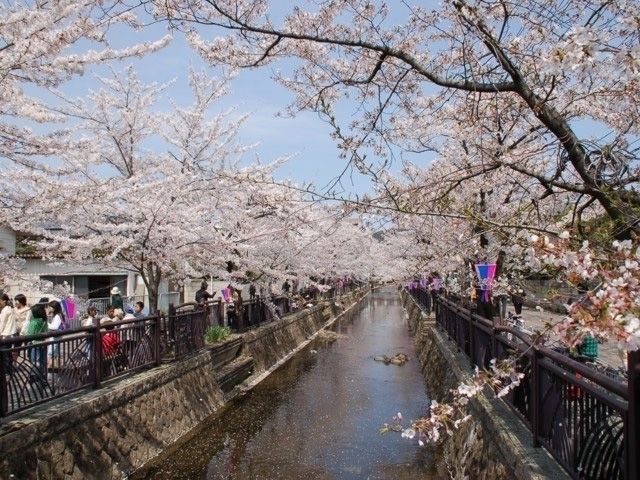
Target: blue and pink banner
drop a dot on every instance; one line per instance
(69, 308)
(486, 273)
(226, 294)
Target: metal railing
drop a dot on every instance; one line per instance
(588, 421)
(187, 323)
(38, 368)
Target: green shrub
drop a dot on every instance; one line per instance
(216, 334)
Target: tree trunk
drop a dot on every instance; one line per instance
(151, 276)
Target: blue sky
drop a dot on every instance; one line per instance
(305, 138)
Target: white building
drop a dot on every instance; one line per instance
(7, 241)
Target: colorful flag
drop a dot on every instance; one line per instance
(486, 272)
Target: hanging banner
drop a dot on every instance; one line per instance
(70, 307)
(226, 294)
(486, 273)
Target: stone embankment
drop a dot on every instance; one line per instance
(109, 433)
(493, 444)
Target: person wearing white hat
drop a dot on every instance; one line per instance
(116, 300)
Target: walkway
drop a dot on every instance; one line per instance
(608, 352)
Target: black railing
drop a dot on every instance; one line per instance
(39, 368)
(43, 367)
(283, 305)
(186, 325)
(253, 314)
(423, 297)
(588, 421)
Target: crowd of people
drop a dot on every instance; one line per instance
(297, 295)
(491, 303)
(18, 319)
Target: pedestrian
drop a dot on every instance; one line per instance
(138, 308)
(57, 320)
(21, 312)
(116, 300)
(252, 291)
(110, 343)
(92, 316)
(589, 348)
(7, 326)
(286, 287)
(36, 324)
(37, 321)
(110, 316)
(7, 320)
(517, 298)
(435, 287)
(232, 314)
(202, 295)
(484, 304)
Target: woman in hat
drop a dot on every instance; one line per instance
(116, 300)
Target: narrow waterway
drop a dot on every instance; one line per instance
(317, 416)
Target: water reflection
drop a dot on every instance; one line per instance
(317, 416)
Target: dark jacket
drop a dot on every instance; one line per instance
(202, 295)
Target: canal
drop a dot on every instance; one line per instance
(318, 415)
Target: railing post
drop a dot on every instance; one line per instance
(96, 352)
(494, 341)
(156, 339)
(633, 416)
(472, 343)
(535, 396)
(4, 390)
(172, 329)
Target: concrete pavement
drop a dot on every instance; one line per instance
(534, 320)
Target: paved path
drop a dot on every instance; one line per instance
(535, 320)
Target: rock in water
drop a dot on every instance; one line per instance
(397, 359)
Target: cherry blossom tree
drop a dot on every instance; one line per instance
(164, 194)
(43, 45)
(499, 93)
(502, 84)
(153, 212)
(290, 236)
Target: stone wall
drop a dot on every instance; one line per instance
(110, 432)
(272, 343)
(494, 444)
